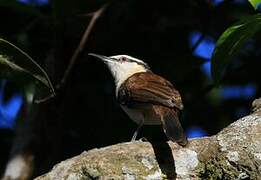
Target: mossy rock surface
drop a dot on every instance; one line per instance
(234, 153)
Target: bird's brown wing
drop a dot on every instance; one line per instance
(149, 87)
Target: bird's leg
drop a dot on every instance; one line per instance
(143, 139)
(137, 131)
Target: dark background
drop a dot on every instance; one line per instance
(176, 38)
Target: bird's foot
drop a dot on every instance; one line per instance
(143, 139)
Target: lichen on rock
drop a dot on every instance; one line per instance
(234, 153)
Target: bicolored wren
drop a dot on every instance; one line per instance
(147, 98)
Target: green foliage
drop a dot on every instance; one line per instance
(255, 3)
(230, 42)
(17, 66)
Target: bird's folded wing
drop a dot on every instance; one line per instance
(149, 87)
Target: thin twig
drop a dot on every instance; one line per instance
(47, 98)
(81, 45)
(76, 53)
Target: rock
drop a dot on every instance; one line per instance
(234, 153)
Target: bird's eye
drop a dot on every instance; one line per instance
(122, 59)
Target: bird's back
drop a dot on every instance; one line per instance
(152, 99)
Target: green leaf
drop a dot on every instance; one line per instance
(255, 3)
(230, 42)
(17, 66)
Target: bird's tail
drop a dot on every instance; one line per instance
(172, 127)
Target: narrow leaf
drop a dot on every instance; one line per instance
(19, 67)
(255, 3)
(230, 42)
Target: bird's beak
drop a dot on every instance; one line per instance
(101, 57)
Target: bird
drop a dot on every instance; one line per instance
(147, 98)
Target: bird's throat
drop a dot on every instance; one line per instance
(123, 72)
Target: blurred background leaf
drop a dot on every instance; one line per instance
(230, 42)
(17, 66)
(255, 3)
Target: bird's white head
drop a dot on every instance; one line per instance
(122, 66)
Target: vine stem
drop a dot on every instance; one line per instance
(89, 27)
(81, 45)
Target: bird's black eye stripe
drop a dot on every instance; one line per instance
(124, 59)
(115, 59)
